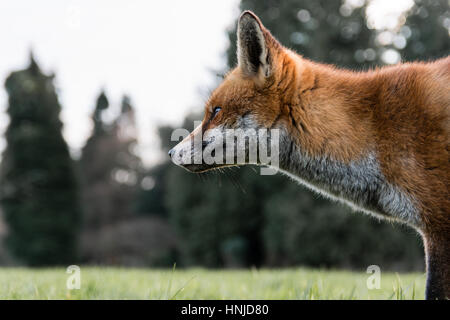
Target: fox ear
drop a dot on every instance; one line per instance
(252, 50)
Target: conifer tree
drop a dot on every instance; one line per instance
(38, 186)
(109, 167)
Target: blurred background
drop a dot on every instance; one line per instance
(92, 92)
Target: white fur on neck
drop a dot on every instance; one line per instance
(359, 183)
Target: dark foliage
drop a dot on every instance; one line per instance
(39, 189)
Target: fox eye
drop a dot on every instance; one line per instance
(216, 111)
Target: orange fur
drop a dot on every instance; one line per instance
(402, 112)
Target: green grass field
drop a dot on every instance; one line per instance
(120, 283)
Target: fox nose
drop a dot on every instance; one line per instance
(171, 151)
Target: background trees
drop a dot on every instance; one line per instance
(111, 177)
(426, 31)
(109, 166)
(39, 191)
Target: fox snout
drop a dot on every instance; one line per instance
(219, 147)
(190, 152)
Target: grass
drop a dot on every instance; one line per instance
(120, 283)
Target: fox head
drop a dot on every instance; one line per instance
(252, 97)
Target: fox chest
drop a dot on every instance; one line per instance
(359, 183)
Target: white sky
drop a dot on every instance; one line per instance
(159, 52)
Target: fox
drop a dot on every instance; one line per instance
(376, 140)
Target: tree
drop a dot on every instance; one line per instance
(110, 170)
(150, 200)
(109, 166)
(426, 31)
(39, 189)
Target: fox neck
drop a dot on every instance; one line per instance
(328, 112)
(325, 144)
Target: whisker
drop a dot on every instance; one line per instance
(234, 180)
